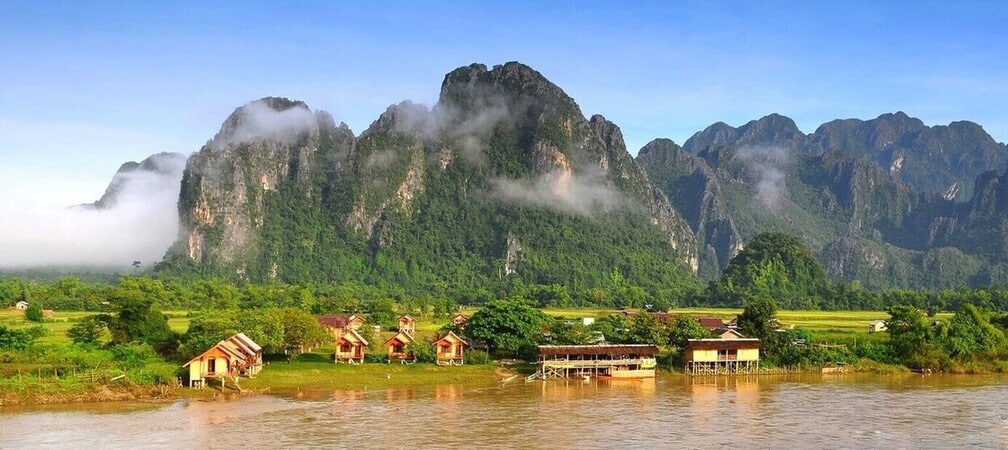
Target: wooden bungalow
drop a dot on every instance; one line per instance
(722, 356)
(609, 361)
(458, 321)
(450, 350)
(398, 348)
(337, 324)
(407, 324)
(231, 357)
(350, 347)
(876, 326)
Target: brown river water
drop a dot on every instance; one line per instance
(782, 411)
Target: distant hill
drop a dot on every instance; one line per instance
(885, 202)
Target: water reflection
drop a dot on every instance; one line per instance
(670, 411)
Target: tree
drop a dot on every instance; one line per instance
(34, 312)
(684, 328)
(508, 326)
(759, 318)
(138, 321)
(645, 329)
(971, 332)
(913, 338)
(11, 339)
(615, 328)
(206, 330)
(89, 330)
(774, 265)
(301, 331)
(383, 312)
(567, 332)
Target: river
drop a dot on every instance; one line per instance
(785, 411)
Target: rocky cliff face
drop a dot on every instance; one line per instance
(694, 189)
(155, 174)
(504, 176)
(261, 146)
(876, 199)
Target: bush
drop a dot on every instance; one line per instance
(423, 352)
(11, 339)
(473, 356)
(33, 313)
(134, 356)
(88, 330)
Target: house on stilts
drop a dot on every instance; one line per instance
(607, 361)
(722, 356)
(350, 347)
(398, 348)
(450, 350)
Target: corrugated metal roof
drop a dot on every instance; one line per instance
(722, 344)
(248, 341)
(623, 349)
(710, 323)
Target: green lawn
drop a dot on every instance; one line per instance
(317, 371)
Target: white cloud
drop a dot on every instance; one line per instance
(139, 224)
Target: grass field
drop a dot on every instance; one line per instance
(317, 371)
(63, 320)
(828, 326)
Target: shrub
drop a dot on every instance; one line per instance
(423, 351)
(88, 330)
(33, 313)
(473, 356)
(11, 339)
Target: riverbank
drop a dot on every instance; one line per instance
(276, 378)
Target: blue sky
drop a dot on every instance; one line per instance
(86, 86)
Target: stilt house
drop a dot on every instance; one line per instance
(450, 350)
(407, 324)
(398, 348)
(722, 356)
(350, 347)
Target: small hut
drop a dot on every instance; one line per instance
(350, 347)
(21, 305)
(450, 350)
(231, 357)
(407, 324)
(876, 326)
(459, 320)
(398, 348)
